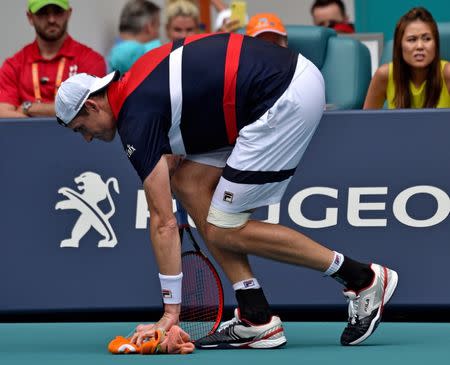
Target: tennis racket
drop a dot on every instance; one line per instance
(202, 292)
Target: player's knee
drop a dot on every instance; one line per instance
(224, 238)
(222, 226)
(216, 236)
(223, 219)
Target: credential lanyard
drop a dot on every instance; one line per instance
(36, 84)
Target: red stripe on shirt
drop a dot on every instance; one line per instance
(196, 37)
(119, 91)
(230, 78)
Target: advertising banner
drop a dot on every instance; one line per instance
(75, 226)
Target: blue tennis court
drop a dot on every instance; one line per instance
(308, 343)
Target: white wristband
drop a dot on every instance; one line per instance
(171, 288)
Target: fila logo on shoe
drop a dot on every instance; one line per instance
(366, 305)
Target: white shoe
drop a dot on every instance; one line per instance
(239, 333)
(366, 306)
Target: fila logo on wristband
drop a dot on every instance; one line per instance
(171, 288)
(166, 293)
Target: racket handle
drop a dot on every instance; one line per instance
(182, 216)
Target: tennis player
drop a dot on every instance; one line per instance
(226, 118)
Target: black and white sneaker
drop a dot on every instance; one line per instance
(238, 333)
(366, 306)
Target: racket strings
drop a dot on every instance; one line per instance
(201, 297)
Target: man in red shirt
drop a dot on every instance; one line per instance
(29, 79)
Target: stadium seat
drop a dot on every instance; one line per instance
(344, 63)
(444, 35)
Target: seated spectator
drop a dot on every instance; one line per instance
(331, 14)
(417, 77)
(139, 33)
(29, 79)
(218, 6)
(183, 19)
(224, 23)
(269, 27)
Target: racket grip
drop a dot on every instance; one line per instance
(182, 216)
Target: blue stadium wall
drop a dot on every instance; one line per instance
(373, 185)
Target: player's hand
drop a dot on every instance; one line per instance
(169, 319)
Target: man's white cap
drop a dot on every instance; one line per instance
(73, 93)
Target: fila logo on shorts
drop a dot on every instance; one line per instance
(228, 197)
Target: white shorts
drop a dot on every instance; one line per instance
(216, 158)
(267, 151)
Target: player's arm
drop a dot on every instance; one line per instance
(165, 239)
(376, 95)
(163, 224)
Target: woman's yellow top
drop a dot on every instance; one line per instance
(417, 93)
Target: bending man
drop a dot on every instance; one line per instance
(242, 123)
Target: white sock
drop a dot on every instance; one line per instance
(336, 264)
(251, 283)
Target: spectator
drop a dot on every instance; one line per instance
(417, 77)
(29, 79)
(331, 14)
(183, 19)
(269, 27)
(223, 22)
(218, 6)
(139, 33)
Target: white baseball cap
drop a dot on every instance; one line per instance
(73, 93)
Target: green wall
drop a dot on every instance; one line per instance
(381, 16)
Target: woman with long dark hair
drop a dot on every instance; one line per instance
(416, 77)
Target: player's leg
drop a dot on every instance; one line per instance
(368, 287)
(193, 184)
(257, 173)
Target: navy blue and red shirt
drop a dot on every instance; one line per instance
(194, 95)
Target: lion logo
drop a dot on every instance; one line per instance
(94, 190)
